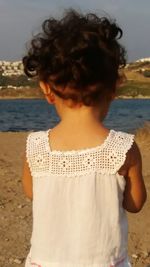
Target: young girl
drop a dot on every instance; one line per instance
(81, 176)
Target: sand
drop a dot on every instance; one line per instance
(16, 212)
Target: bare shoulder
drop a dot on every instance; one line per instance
(135, 191)
(26, 178)
(134, 155)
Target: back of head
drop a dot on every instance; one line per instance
(79, 54)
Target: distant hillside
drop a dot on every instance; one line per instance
(138, 70)
(14, 84)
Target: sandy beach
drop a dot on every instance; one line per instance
(16, 212)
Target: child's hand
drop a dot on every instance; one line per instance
(135, 192)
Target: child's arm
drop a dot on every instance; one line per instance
(135, 191)
(27, 180)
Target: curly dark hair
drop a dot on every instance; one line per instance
(79, 52)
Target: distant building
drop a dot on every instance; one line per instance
(143, 60)
(11, 68)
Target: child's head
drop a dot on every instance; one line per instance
(78, 56)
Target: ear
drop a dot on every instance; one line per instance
(47, 92)
(45, 87)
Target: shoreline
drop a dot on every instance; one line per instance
(40, 98)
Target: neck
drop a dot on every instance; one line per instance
(81, 118)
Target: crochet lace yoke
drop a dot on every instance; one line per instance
(106, 158)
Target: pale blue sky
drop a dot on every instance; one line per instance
(20, 18)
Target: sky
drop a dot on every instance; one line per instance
(19, 19)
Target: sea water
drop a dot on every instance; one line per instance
(33, 115)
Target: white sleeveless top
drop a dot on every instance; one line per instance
(78, 218)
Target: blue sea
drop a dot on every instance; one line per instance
(33, 115)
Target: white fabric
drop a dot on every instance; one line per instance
(78, 219)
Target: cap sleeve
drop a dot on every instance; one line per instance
(35, 144)
(122, 143)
